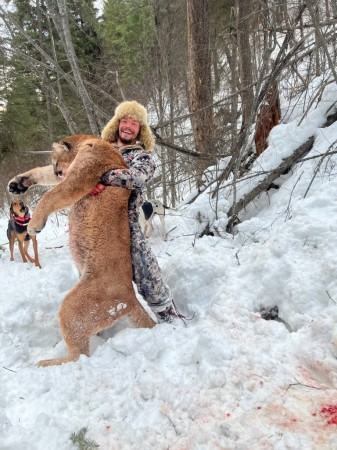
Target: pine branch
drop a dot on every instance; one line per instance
(81, 442)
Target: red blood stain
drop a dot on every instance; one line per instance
(330, 413)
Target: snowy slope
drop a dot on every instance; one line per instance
(230, 379)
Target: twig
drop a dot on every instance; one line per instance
(172, 229)
(317, 169)
(301, 384)
(260, 376)
(10, 370)
(330, 296)
(50, 248)
(291, 194)
(169, 419)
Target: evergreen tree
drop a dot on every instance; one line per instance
(128, 32)
(36, 92)
(22, 124)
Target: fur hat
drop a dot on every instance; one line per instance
(136, 111)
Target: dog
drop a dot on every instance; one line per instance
(99, 233)
(17, 231)
(146, 216)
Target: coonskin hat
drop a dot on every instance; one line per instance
(136, 111)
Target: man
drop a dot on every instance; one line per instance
(129, 132)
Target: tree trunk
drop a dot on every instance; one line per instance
(61, 23)
(45, 80)
(200, 82)
(170, 80)
(232, 62)
(244, 9)
(268, 116)
(160, 89)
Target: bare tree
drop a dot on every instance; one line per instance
(48, 61)
(61, 22)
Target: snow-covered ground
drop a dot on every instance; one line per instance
(229, 379)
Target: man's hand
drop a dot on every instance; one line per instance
(97, 189)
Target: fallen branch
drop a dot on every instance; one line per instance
(276, 173)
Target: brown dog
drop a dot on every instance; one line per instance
(17, 230)
(99, 240)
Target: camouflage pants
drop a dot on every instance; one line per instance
(147, 274)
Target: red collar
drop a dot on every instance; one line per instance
(22, 221)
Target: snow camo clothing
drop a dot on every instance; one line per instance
(146, 272)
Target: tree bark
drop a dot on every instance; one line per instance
(267, 118)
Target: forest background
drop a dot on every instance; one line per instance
(215, 75)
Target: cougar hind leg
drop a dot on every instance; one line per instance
(87, 310)
(74, 316)
(139, 317)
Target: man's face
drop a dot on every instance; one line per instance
(128, 130)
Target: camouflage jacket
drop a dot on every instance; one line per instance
(139, 172)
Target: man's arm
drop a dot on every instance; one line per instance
(139, 172)
(42, 176)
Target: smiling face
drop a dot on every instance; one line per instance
(128, 130)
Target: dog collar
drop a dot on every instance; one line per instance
(23, 221)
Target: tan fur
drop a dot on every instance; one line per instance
(99, 242)
(14, 235)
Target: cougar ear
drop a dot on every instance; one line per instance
(59, 148)
(67, 145)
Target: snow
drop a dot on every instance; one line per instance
(229, 379)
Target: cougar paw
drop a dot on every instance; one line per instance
(20, 184)
(36, 226)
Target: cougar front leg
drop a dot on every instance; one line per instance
(37, 222)
(42, 176)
